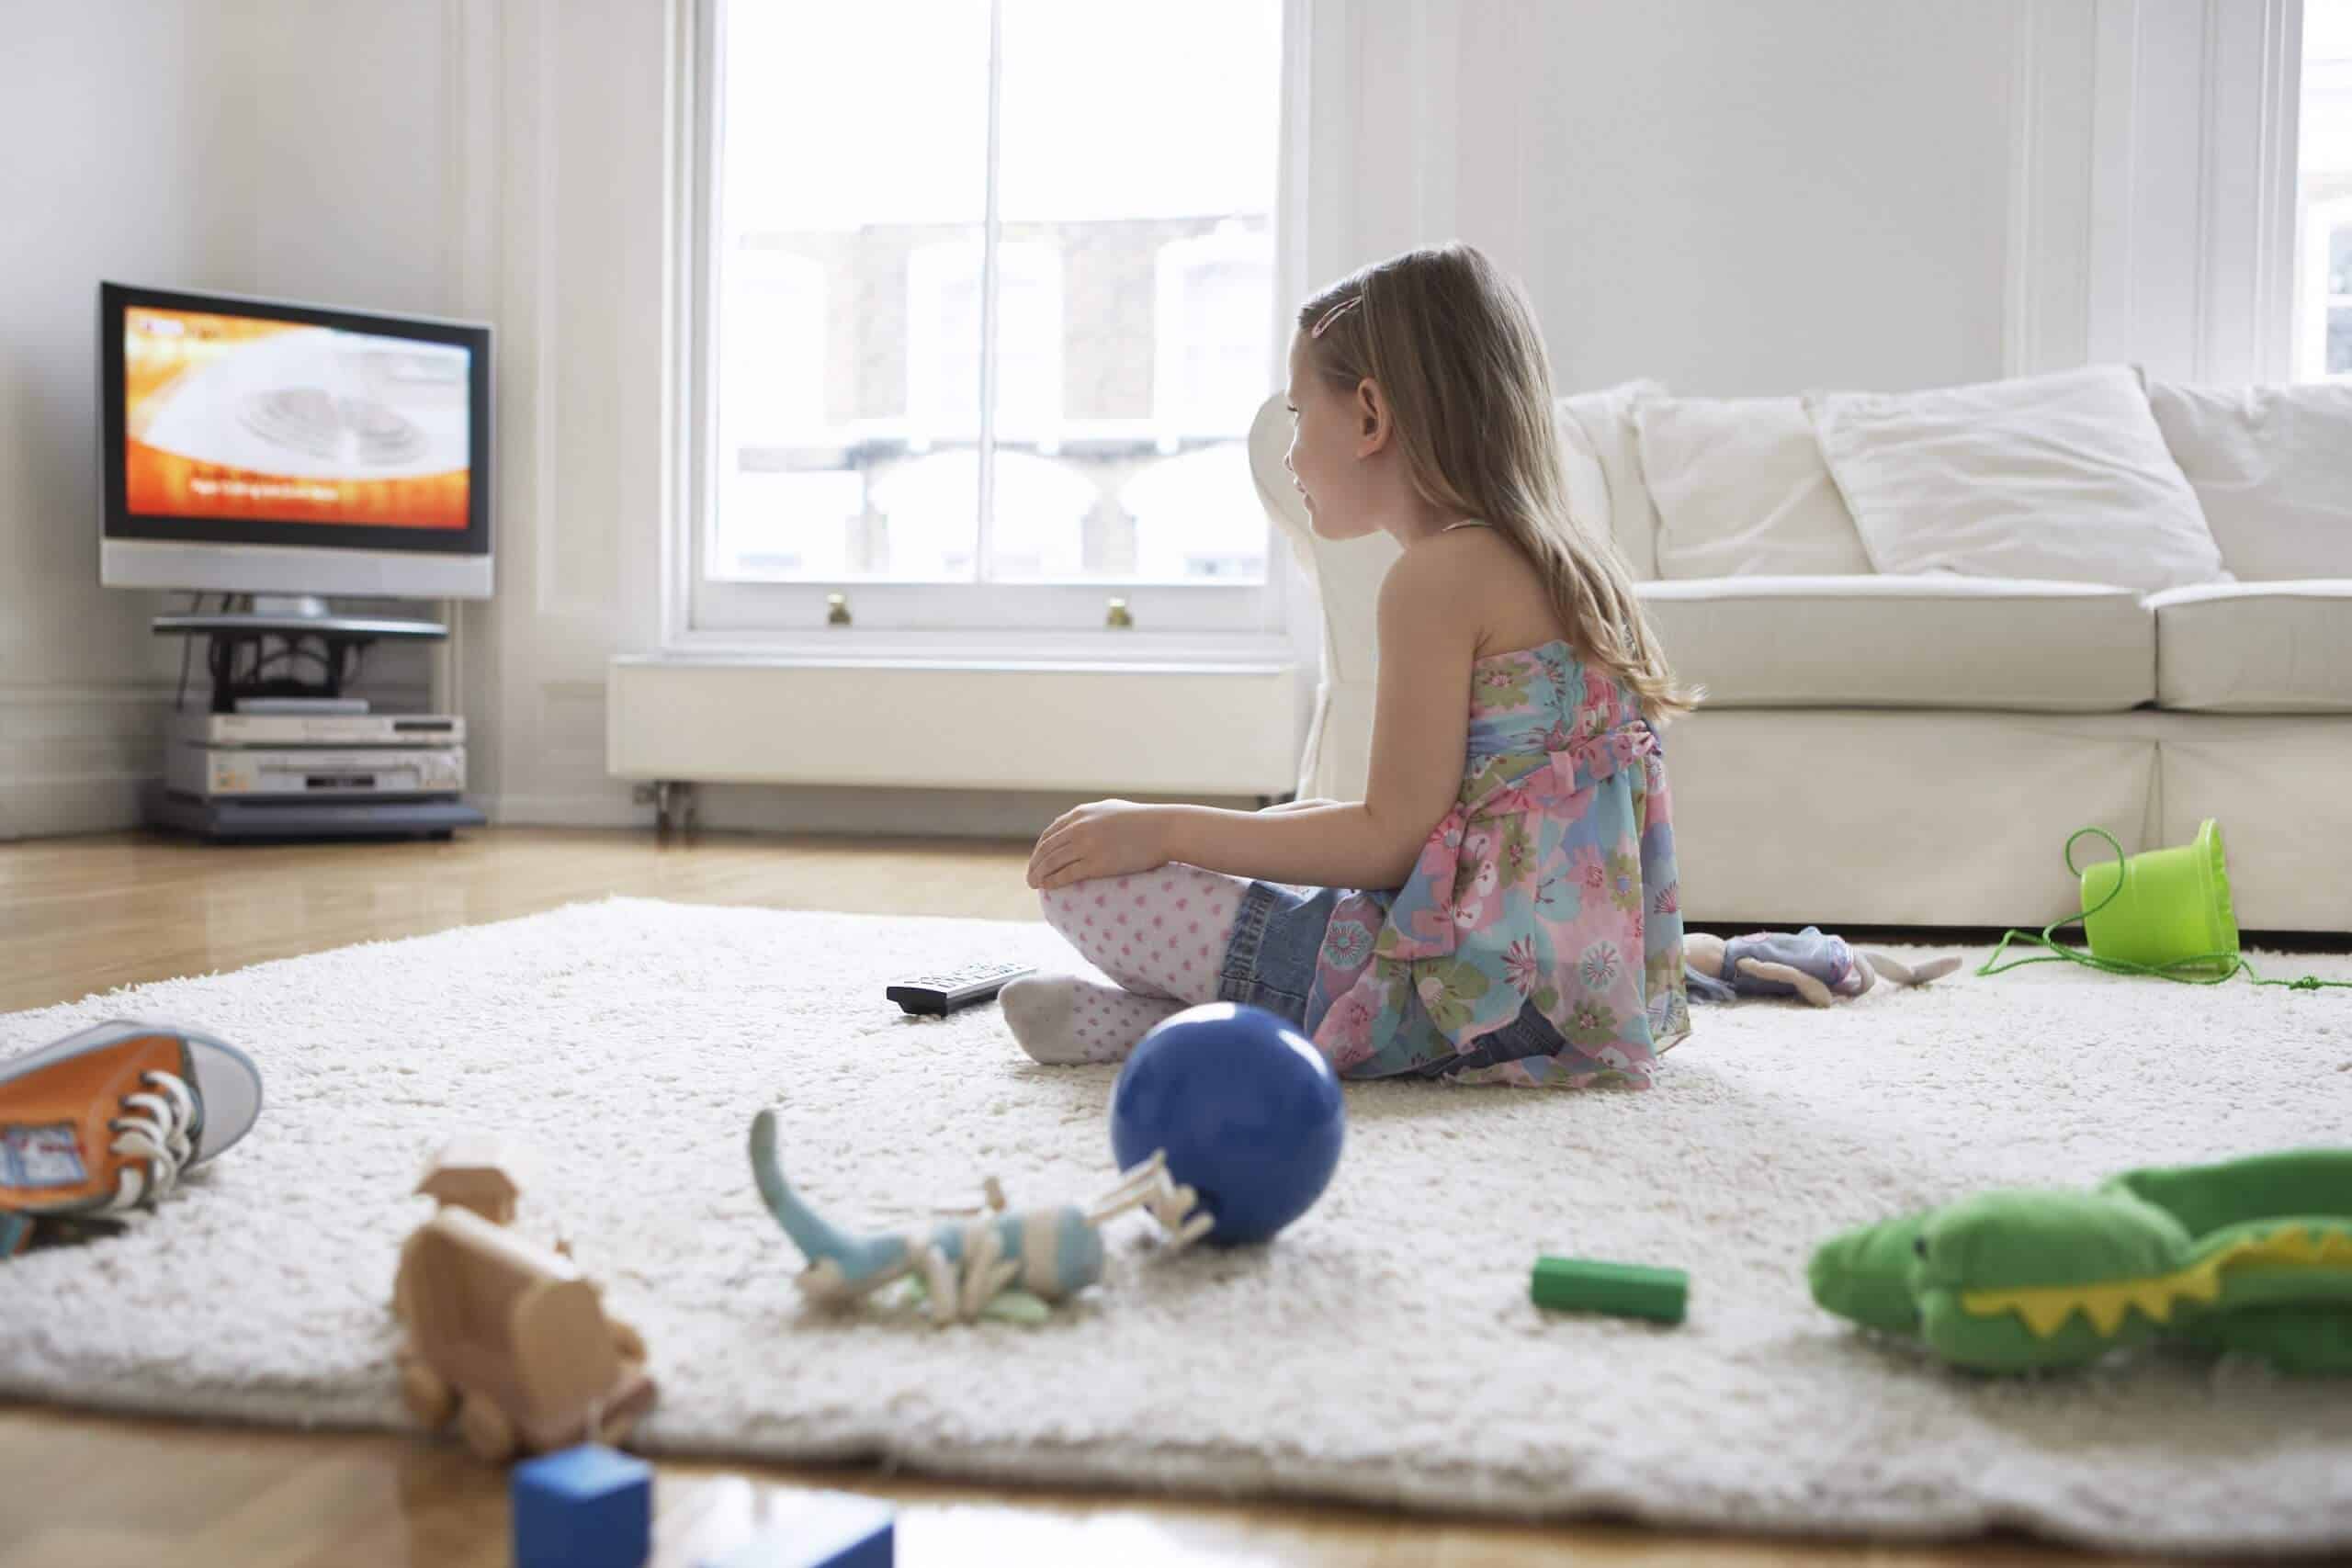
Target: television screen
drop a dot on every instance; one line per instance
(229, 422)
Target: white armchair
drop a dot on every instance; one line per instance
(1346, 575)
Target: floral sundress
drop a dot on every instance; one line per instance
(1538, 938)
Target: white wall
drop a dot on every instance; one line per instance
(1747, 199)
(1738, 198)
(123, 161)
(139, 151)
(351, 104)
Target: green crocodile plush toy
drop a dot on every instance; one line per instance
(2253, 1256)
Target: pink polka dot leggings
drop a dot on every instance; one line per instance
(1159, 933)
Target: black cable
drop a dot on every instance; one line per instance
(339, 662)
(236, 661)
(221, 659)
(187, 647)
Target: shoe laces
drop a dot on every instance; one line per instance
(152, 1140)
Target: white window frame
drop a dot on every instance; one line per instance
(1173, 625)
(2152, 192)
(2323, 220)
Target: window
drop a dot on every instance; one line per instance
(987, 312)
(2323, 179)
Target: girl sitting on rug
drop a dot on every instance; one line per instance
(1502, 905)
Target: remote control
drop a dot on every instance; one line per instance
(942, 994)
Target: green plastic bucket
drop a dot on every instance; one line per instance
(2175, 907)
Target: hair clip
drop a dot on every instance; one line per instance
(1334, 313)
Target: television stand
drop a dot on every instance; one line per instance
(288, 757)
(229, 819)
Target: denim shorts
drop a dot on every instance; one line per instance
(1277, 938)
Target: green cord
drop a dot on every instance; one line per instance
(2060, 952)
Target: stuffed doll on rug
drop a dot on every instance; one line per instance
(1777, 964)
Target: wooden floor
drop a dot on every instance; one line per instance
(84, 915)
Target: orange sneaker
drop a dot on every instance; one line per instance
(107, 1119)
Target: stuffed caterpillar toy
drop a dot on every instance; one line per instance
(1775, 964)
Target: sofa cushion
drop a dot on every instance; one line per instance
(2063, 477)
(1741, 490)
(1586, 480)
(1606, 418)
(2272, 468)
(1934, 641)
(2256, 647)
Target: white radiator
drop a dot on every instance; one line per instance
(1194, 730)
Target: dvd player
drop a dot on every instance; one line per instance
(410, 729)
(313, 771)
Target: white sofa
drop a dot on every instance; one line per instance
(1913, 748)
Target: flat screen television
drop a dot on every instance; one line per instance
(262, 447)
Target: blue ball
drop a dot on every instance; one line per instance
(1247, 1108)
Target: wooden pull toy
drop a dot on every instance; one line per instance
(502, 1333)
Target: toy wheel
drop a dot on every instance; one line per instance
(627, 1343)
(426, 1393)
(486, 1429)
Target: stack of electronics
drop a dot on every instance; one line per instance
(279, 454)
(281, 768)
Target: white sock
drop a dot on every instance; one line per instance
(1065, 1020)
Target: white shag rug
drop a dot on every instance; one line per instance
(1384, 1349)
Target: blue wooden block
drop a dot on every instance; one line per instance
(586, 1507)
(829, 1529)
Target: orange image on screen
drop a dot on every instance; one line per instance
(228, 416)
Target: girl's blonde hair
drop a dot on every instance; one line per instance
(1453, 344)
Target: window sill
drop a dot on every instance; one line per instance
(956, 666)
(1129, 653)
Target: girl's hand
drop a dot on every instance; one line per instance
(1106, 838)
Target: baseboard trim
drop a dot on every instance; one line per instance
(60, 808)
